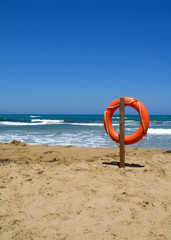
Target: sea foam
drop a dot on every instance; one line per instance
(159, 131)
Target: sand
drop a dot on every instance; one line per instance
(66, 192)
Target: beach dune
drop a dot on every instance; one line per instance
(73, 193)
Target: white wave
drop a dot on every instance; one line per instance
(159, 131)
(92, 124)
(45, 121)
(160, 121)
(118, 117)
(33, 122)
(115, 117)
(87, 124)
(131, 129)
(34, 116)
(131, 121)
(15, 123)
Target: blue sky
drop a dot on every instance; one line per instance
(76, 56)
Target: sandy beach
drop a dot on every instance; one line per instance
(73, 193)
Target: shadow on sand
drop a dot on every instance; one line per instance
(115, 163)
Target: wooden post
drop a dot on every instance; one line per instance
(122, 132)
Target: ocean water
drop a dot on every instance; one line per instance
(80, 130)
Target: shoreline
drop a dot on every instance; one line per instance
(67, 192)
(18, 142)
(42, 153)
(80, 130)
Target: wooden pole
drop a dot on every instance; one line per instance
(122, 132)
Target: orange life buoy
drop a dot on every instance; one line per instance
(144, 120)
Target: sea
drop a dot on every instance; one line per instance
(80, 130)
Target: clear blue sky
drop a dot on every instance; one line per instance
(76, 56)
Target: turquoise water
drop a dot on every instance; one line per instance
(80, 130)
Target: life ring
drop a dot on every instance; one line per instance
(144, 120)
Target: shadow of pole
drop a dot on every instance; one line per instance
(115, 163)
